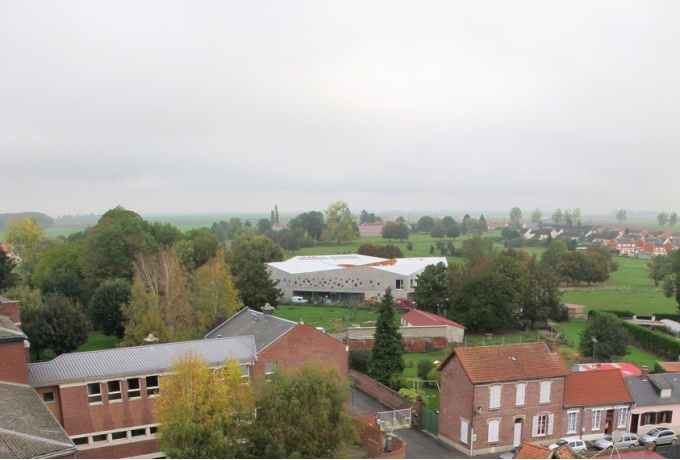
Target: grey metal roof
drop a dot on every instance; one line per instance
(9, 331)
(645, 393)
(265, 328)
(27, 428)
(141, 360)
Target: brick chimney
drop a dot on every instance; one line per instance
(10, 308)
(551, 346)
(645, 369)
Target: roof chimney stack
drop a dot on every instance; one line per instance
(551, 346)
(645, 369)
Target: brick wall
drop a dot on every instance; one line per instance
(411, 345)
(124, 450)
(80, 417)
(10, 308)
(13, 364)
(379, 391)
(374, 439)
(302, 345)
(456, 402)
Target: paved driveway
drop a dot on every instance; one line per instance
(419, 444)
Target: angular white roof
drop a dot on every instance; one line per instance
(313, 264)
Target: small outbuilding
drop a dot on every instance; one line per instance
(575, 311)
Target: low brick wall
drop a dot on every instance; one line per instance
(375, 441)
(411, 345)
(379, 391)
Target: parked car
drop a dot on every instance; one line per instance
(298, 299)
(624, 439)
(576, 444)
(660, 436)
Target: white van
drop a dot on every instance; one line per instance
(298, 299)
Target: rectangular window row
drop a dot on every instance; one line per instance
(656, 418)
(114, 389)
(520, 393)
(97, 440)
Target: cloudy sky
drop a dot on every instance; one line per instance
(215, 106)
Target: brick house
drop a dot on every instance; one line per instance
(283, 344)
(27, 428)
(625, 246)
(595, 404)
(495, 397)
(105, 399)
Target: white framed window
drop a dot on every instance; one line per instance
(622, 417)
(519, 397)
(494, 396)
(542, 425)
(269, 369)
(494, 428)
(134, 390)
(399, 285)
(545, 392)
(463, 431)
(597, 419)
(94, 393)
(572, 419)
(113, 389)
(245, 371)
(152, 386)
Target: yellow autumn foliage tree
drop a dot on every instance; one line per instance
(203, 412)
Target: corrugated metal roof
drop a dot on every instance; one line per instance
(265, 328)
(141, 360)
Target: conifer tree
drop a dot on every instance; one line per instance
(388, 348)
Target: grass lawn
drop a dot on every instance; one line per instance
(628, 288)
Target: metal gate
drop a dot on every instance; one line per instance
(430, 421)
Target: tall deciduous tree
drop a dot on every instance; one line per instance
(303, 415)
(247, 259)
(672, 219)
(662, 217)
(432, 290)
(484, 301)
(8, 278)
(203, 412)
(388, 348)
(214, 295)
(557, 216)
(476, 248)
(26, 237)
(536, 216)
(541, 295)
(621, 216)
(425, 224)
(143, 316)
(515, 216)
(659, 268)
(611, 338)
(168, 284)
(107, 305)
(339, 224)
(55, 323)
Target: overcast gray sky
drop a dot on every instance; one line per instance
(202, 106)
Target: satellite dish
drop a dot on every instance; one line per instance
(616, 436)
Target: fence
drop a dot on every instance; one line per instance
(430, 421)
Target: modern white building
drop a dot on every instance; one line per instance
(348, 278)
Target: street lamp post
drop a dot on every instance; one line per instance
(594, 339)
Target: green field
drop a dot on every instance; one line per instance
(333, 318)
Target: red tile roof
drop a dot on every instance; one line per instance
(596, 387)
(671, 366)
(423, 318)
(509, 362)
(533, 451)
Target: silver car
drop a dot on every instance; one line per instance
(660, 436)
(624, 439)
